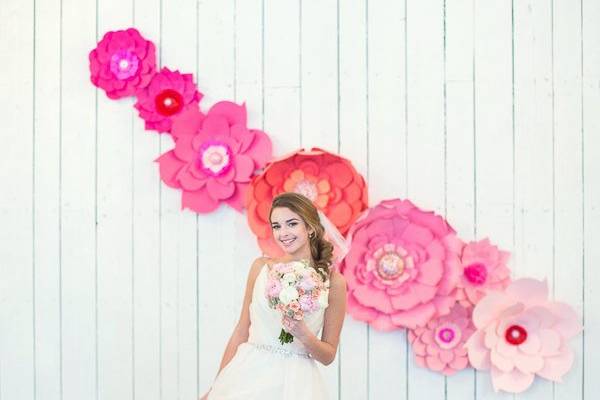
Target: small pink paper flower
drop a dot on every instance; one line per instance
(122, 63)
(521, 334)
(214, 157)
(168, 94)
(400, 271)
(483, 269)
(440, 345)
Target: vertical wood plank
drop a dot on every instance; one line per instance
(568, 176)
(591, 197)
(353, 104)
(79, 230)
(17, 318)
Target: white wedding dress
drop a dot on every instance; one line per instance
(262, 368)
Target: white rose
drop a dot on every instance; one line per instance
(324, 299)
(299, 267)
(289, 278)
(288, 294)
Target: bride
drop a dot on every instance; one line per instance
(255, 365)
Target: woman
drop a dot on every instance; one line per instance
(255, 365)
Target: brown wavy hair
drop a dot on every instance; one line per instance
(321, 250)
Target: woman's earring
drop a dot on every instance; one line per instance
(312, 235)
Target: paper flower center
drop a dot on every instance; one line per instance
(124, 64)
(448, 336)
(307, 189)
(215, 158)
(168, 102)
(390, 264)
(476, 274)
(515, 335)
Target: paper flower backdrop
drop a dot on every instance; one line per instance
(330, 181)
(406, 268)
(122, 63)
(168, 94)
(214, 157)
(521, 334)
(400, 270)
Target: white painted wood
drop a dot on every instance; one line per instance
(78, 192)
(482, 111)
(568, 176)
(18, 268)
(591, 196)
(46, 199)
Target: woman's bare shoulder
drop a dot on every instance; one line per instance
(259, 263)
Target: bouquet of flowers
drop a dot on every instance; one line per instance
(295, 289)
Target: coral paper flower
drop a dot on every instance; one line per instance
(330, 181)
(168, 94)
(439, 346)
(400, 270)
(214, 157)
(521, 334)
(483, 269)
(122, 63)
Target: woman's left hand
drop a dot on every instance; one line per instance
(298, 329)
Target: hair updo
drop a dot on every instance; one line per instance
(321, 250)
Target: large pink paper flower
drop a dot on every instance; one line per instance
(483, 269)
(521, 334)
(400, 270)
(439, 346)
(214, 157)
(330, 181)
(122, 63)
(168, 94)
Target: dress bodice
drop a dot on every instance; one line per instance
(265, 322)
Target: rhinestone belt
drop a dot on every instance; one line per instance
(278, 349)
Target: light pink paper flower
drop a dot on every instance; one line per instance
(168, 94)
(214, 157)
(400, 272)
(521, 334)
(440, 345)
(122, 63)
(483, 269)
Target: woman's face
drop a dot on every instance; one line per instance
(289, 230)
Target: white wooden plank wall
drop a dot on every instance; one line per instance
(484, 111)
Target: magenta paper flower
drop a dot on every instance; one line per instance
(439, 346)
(168, 94)
(122, 63)
(521, 334)
(214, 157)
(483, 269)
(400, 271)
